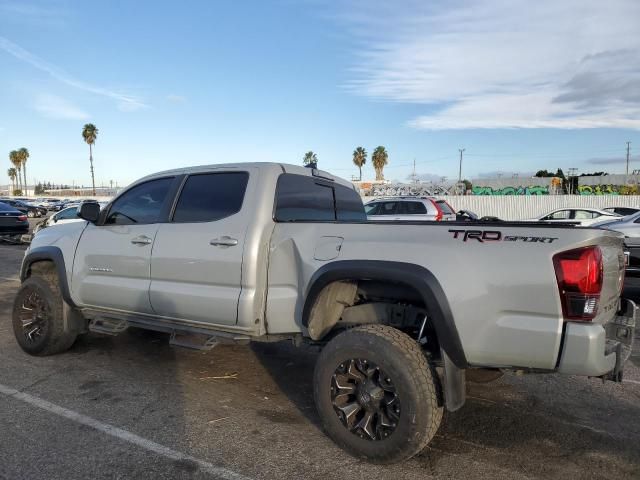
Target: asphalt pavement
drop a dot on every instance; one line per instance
(133, 407)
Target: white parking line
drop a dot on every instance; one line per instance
(631, 381)
(119, 433)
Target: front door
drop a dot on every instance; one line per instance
(196, 265)
(112, 261)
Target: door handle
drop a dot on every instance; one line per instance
(224, 241)
(141, 240)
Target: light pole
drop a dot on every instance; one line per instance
(460, 169)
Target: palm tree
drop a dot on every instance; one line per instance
(23, 153)
(14, 158)
(13, 174)
(379, 159)
(360, 158)
(90, 133)
(310, 158)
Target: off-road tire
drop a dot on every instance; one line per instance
(415, 381)
(55, 338)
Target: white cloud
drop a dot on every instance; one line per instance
(20, 12)
(125, 102)
(503, 64)
(53, 106)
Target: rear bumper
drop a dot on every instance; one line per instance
(14, 230)
(599, 350)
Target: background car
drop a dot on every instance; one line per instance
(582, 216)
(68, 215)
(630, 227)
(624, 211)
(30, 211)
(410, 208)
(12, 221)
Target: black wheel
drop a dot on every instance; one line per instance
(30, 214)
(38, 323)
(376, 394)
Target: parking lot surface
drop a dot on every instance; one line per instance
(133, 407)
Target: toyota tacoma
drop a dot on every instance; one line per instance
(401, 310)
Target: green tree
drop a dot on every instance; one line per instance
(14, 158)
(89, 134)
(309, 158)
(23, 153)
(359, 159)
(380, 158)
(13, 174)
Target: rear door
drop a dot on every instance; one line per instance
(196, 264)
(112, 261)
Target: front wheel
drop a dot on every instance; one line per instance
(377, 396)
(38, 322)
(30, 214)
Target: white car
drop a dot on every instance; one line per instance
(410, 208)
(583, 216)
(67, 215)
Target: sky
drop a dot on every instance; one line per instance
(520, 85)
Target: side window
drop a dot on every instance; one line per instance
(67, 214)
(140, 205)
(387, 208)
(583, 214)
(411, 208)
(211, 196)
(371, 208)
(301, 198)
(348, 204)
(560, 215)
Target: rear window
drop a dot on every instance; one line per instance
(300, 198)
(211, 196)
(6, 208)
(348, 204)
(444, 206)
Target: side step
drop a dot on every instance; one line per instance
(107, 326)
(195, 341)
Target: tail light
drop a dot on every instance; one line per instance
(438, 211)
(580, 274)
(22, 218)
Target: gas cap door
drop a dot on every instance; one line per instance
(328, 248)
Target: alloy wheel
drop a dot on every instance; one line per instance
(365, 399)
(34, 315)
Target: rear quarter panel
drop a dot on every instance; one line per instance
(503, 294)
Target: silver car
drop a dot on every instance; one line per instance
(630, 227)
(410, 208)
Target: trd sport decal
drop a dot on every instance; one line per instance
(496, 236)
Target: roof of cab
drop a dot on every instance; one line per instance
(276, 168)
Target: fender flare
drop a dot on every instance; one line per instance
(420, 278)
(54, 255)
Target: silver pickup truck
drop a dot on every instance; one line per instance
(268, 252)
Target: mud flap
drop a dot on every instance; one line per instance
(454, 384)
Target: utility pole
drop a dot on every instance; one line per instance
(628, 150)
(573, 172)
(460, 169)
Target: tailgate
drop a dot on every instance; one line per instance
(613, 277)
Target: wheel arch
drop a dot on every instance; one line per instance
(415, 276)
(55, 256)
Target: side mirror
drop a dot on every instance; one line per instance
(90, 212)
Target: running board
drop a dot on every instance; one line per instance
(195, 341)
(107, 326)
